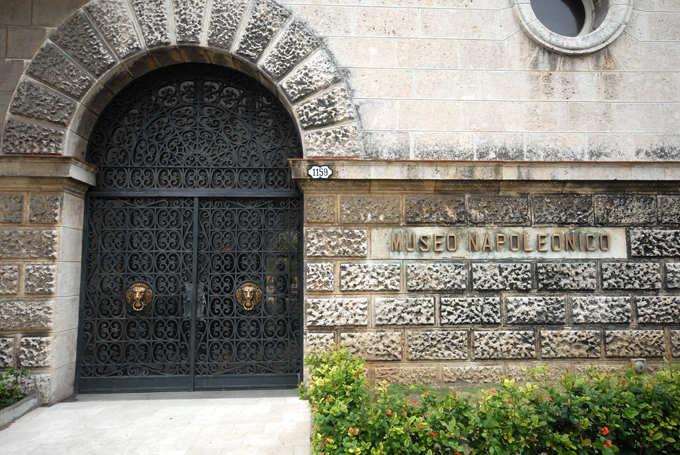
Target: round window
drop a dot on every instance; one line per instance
(573, 26)
(564, 17)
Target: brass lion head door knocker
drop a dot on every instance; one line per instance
(249, 295)
(138, 295)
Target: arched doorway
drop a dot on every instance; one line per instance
(193, 200)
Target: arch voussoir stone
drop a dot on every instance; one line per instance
(108, 43)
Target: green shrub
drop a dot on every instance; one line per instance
(10, 391)
(579, 415)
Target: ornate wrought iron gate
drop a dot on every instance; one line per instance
(194, 200)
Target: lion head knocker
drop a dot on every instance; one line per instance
(249, 295)
(138, 295)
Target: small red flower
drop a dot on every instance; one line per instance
(389, 413)
(458, 453)
(608, 444)
(508, 401)
(433, 433)
(403, 410)
(577, 425)
(604, 431)
(326, 440)
(549, 399)
(427, 392)
(420, 426)
(493, 391)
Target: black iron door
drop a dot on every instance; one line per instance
(194, 202)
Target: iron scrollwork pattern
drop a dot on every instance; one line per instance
(194, 126)
(180, 152)
(129, 241)
(259, 243)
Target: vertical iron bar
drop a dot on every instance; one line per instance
(194, 300)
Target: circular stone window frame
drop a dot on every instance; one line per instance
(618, 15)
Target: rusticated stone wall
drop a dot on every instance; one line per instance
(41, 222)
(473, 319)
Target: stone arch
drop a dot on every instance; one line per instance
(108, 43)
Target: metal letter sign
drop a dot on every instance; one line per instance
(194, 198)
(320, 172)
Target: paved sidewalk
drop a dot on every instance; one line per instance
(272, 422)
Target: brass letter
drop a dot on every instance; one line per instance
(413, 239)
(438, 239)
(487, 243)
(588, 238)
(472, 243)
(424, 239)
(525, 244)
(499, 242)
(448, 242)
(516, 238)
(580, 243)
(552, 240)
(541, 242)
(396, 242)
(602, 237)
(569, 242)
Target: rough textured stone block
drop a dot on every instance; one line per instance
(6, 352)
(370, 277)
(499, 210)
(11, 208)
(9, 279)
(341, 141)
(319, 342)
(330, 107)
(45, 208)
(517, 372)
(570, 343)
(435, 210)
(658, 310)
(436, 276)
(78, 38)
(28, 244)
(675, 343)
(34, 101)
(16, 315)
(355, 209)
(438, 345)
(317, 73)
(35, 352)
(23, 138)
(51, 66)
(336, 312)
(536, 310)
(470, 310)
(654, 243)
(614, 369)
(406, 376)
(624, 210)
(320, 209)
(601, 310)
(265, 20)
(669, 209)
(473, 375)
(501, 276)
(40, 279)
(404, 311)
(374, 345)
(320, 277)
(225, 17)
(504, 345)
(567, 275)
(672, 275)
(296, 43)
(336, 242)
(631, 275)
(116, 25)
(154, 20)
(634, 343)
(189, 20)
(570, 209)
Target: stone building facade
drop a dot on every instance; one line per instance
(501, 196)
